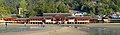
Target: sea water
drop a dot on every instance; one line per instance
(19, 28)
(104, 31)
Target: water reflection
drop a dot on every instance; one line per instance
(104, 31)
(97, 30)
(20, 28)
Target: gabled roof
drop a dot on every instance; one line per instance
(48, 16)
(22, 18)
(36, 17)
(76, 17)
(55, 14)
(59, 16)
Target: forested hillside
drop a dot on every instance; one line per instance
(37, 7)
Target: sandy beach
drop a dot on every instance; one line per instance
(51, 30)
(62, 31)
(96, 25)
(59, 30)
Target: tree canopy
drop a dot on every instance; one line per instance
(37, 7)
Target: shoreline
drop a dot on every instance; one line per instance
(60, 30)
(84, 25)
(95, 24)
(53, 30)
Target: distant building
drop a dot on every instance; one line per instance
(115, 15)
(13, 15)
(80, 14)
(77, 13)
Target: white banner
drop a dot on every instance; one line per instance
(71, 20)
(35, 21)
(82, 21)
(48, 21)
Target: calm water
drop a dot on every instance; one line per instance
(98, 30)
(104, 31)
(20, 28)
(91, 30)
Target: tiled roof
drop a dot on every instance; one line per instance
(22, 18)
(47, 17)
(76, 17)
(36, 17)
(54, 14)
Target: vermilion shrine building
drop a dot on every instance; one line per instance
(50, 18)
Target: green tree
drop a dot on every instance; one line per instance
(23, 6)
(63, 8)
(4, 10)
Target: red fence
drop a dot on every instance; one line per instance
(43, 19)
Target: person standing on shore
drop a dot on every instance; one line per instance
(43, 25)
(6, 25)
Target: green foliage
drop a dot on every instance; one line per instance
(23, 5)
(105, 7)
(37, 7)
(4, 10)
(63, 8)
